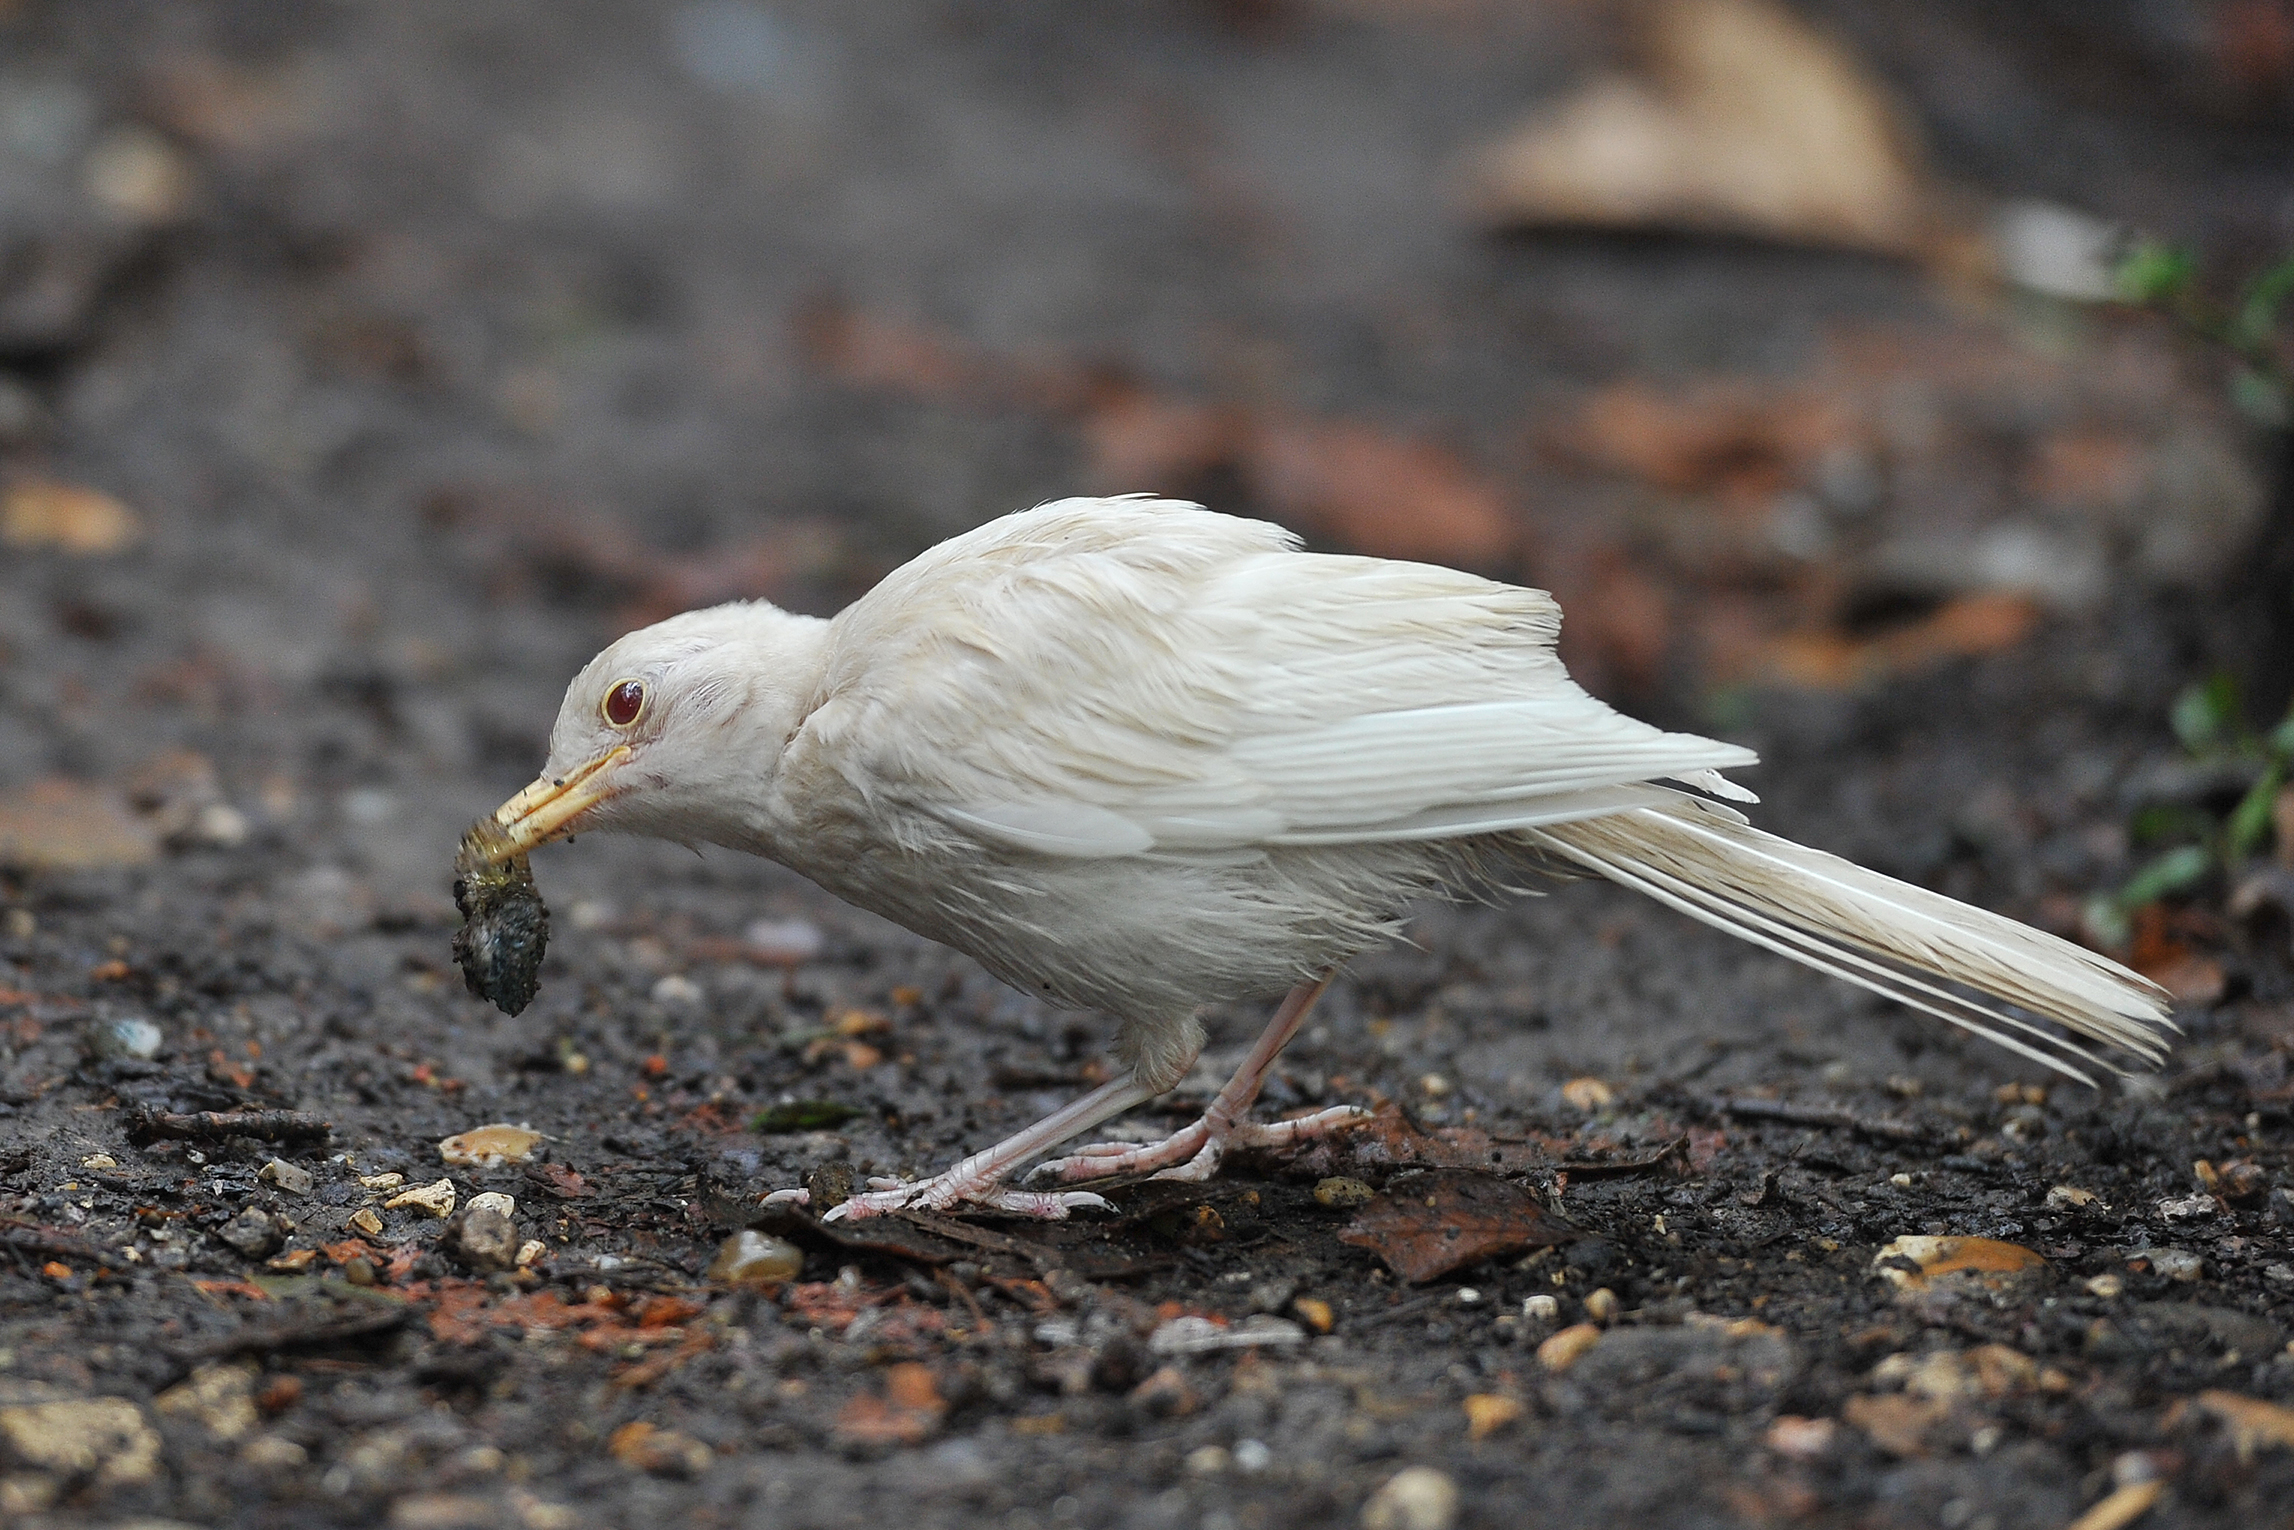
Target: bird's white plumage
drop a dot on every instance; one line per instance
(1135, 755)
(1104, 677)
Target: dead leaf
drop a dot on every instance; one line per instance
(2121, 1507)
(2161, 954)
(907, 1413)
(661, 1452)
(490, 1147)
(2254, 1425)
(1427, 1225)
(1897, 1423)
(1744, 441)
(1967, 627)
(1488, 1412)
(1379, 493)
(1588, 1094)
(1989, 1261)
(63, 825)
(41, 513)
(1747, 122)
(1139, 439)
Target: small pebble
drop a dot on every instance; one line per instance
(1588, 1094)
(290, 1178)
(532, 1252)
(436, 1199)
(1208, 1460)
(2173, 1263)
(1252, 1456)
(253, 1232)
(365, 1221)
(1315, 1313)
(2069, 1197)
(1802, 1439)
(486, 1234)
(1165, 1394)
(99, 1161)
(1567, 1347)
(1540, 1308)
(1339, 1193)
(784, 942)
(1415, 1498)
(2107, 1287)
(677, 991)
(130, 1040)
(751, 1258)
(359, 1272)
(1488, 1412)
(382, 1181)
(1602, 1306)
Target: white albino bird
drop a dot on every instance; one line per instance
(1136, 756)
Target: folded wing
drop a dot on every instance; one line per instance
(1127, 677)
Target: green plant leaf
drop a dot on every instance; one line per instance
(2176, 871)
(805, 1116)
(2154, 272)
(2249, 822)
(2258, 306)
(2281, 739)
(2208, 716)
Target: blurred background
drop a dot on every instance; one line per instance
(363, 368)
(1897, 386)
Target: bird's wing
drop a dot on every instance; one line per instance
(1119, 677)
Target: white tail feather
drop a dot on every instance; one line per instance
(1897, 940)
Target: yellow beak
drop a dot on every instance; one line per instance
(551, 806)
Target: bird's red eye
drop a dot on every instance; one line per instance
(624, 703)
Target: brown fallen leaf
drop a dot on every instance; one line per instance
(41, 513)
(2161, 954)
(1429, 1224)
(908, 1411)
(2121, 1507)
(1376, 492)
(1365, 486)
(1966, 627)
(1988, 1261)
(661, 1452)
(2254, 1425)
(489, 1147)
(1897, 1423)
(1744, 441)
(1746, 121)
(62, 825)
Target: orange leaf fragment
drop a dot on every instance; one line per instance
(40, 513)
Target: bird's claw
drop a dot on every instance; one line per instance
(942, 1192)
(1192, 1153)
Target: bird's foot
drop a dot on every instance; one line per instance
(1193, 1152)
(941, 1192)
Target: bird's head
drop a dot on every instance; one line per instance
(672, 729)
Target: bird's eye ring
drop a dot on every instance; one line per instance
(624, 703)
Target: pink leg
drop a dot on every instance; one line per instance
(1193, 1152)
(978, 1179)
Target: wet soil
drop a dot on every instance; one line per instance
(479, 337)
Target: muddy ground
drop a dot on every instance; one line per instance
(429, 346)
